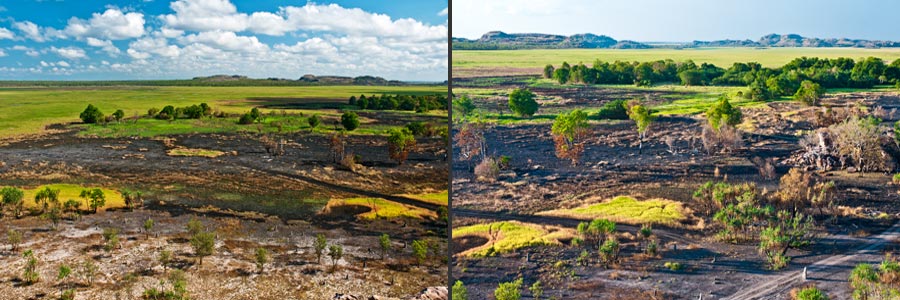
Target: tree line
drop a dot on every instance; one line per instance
(418, 103)
(765, 83)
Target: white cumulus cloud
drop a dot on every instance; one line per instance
(30, 30)
(6, 34)
(69, 52)
(112, 24)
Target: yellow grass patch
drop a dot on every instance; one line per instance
(194, 152)
(73, 191)
(627, 210)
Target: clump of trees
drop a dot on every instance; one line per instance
(569, 132)
(417, 103)
(522, 102)
(763, 83)
(779, 223)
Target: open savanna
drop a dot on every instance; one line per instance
(472, 63)
(28, 110)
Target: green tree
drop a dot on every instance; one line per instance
(463, 106)
(91, 115)
(204, 244)
(785, 231)
(335, 252)
(350, 120)
(14, 197)
(809, 93)
(400, 142)
(319, 245)
(95, 197)
(509, 290)
(262, 257)
(569, 130)
(313, 121)
(420, 250)
(609, 251)
(722, 111)
(642, 120)
(522, 103)
(46, 197)
(385, 242)
(119, 114)
(459, 291)
(548, 71)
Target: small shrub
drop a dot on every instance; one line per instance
(673, 266)
(614, 110)
(204, 244)
(459, 291)
(808, 293)
(522, 103)
(262, 257)
(488, 170)
(30, 274)
(896, 178)
(246, 119)
(350, 120)
(319, 246)
(420, 250)
(110, 238)
(509, 290)
(537, 291)
(313, 121)
(335, 252)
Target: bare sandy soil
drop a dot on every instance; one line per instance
(249, 198)
(611, 165)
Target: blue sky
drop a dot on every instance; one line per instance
(162, 39)
(681, 20)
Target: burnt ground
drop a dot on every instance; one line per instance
(250, 198)
(612, 165)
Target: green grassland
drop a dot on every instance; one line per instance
(627, 210)
(722, 57)
(509, 236)
(29, 110)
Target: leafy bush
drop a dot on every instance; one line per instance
(459, 291)
(509, 290)
(810, 293)
(91, 115)
(400, 143)
(350, 120)
(673, 266)
(245, 119)
(313, 121)
(522, 103)
(809, 93)
(613, 110)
